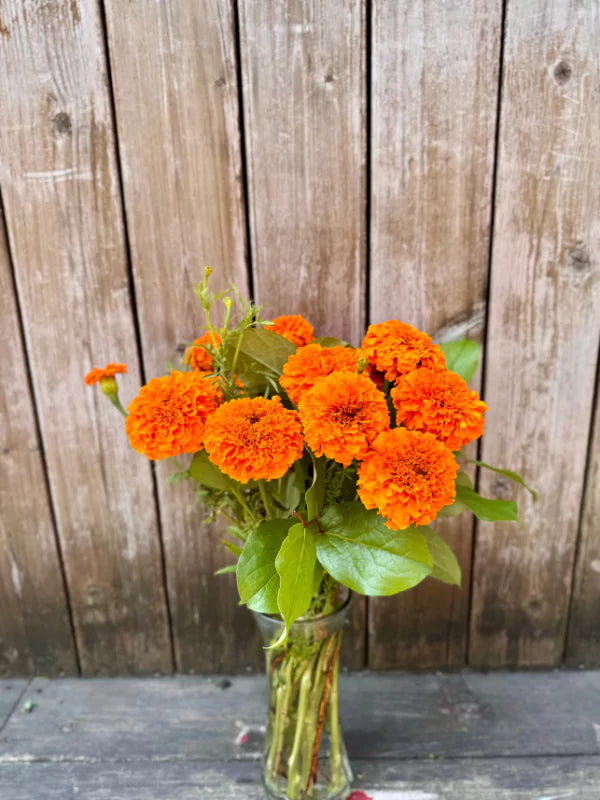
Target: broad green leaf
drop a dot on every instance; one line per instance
(259, 349)
(453, 510)
(317, 578)
(358, 550)
(508, 473)
(486, 509)
(208, 474)
(295, 565)
(315, 495)
(257, 578)
(462, 357)
(445, 566)
(290, 487)
(462, 479)
(228, 568)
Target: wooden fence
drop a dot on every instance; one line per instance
(436, 162)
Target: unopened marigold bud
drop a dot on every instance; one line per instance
(362, 364)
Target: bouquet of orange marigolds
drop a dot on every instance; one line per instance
(329, 462)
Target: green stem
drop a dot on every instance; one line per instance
(114, 399)
(295, 772)
(265, 498)
(335, 756)
(282, 695)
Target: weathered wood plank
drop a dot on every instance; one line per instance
(570, 778)
(303, 67)
(384, 716)
(176, 99)
(35, 634)
(543, 328)
(10, 692)
(63, 213)
(432, 159)
(583, 641)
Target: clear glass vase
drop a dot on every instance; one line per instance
(305, 756)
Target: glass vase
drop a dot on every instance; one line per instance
(305, 756)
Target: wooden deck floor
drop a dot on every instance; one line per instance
(467, 736)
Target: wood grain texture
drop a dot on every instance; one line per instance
(35, 633)
(543, 327)
(303, 67)
(434, 91)
(63, 214)
(176, 99)
(583, 638)
(568, 778)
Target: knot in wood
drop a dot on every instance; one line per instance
(562, 72)
(61, 124)
(579, 258)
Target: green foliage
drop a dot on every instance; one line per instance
(225, 570)
(508, 473)
(295, 565)
(204, 472)
(462, 357)
(358, 550)
(315, 495)
(486, 509)
(257, 351)
(330, 341)
(445, 566)
(257, 578)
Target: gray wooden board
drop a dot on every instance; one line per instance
(10, 692)
(385, 716)
(569, 778)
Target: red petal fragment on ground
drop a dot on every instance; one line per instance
(358, 796)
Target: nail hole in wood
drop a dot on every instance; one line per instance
(61, 124)
(562, 72)
(579, 259)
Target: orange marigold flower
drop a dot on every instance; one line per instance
(169, 414)
(293, 327)
(408, 477)
(440, 403)
(109, 371)
(251, 438)
(396, 348)
(311, 362)
(342, 414)
(197, 356)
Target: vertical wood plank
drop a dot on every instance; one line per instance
(63, 214)
(176, 98)
(303, 66)
(543, 327)
(583, 641)
(434, 94)
(35, 634)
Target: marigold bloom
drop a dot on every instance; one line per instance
(109, 371)
(396, 348)
(408, 477)
(293, 327)
(253, 438)
(197, 356)
(169, 414)
(311, 362)
(440, 403)
(342, 414)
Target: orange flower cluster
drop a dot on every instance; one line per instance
(197, 356)
(440, 403)
(395, 348)
(311, 362)
(294, 327)
(408, 477)
(342, 414)
(109, 371)
(253, 438)
(169, 415)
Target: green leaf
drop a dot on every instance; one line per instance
(329, 341)
(257, 578)
(508, 473)
(486, 509)
(358, 550)
(453, 510)
(228, 568)
(233, 548)
(315, 495)
(462, 357)
(208, 474)
(290, 487)
(295, 565)
(317, 578)
(259, 350)
(462, 479)
(445, 566)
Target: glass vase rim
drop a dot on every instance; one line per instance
(310, 621)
